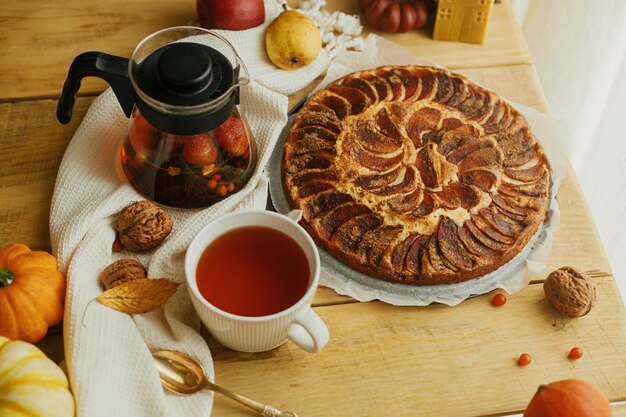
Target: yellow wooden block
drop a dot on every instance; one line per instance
(462, 20)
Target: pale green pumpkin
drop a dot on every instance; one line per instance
(31, 385)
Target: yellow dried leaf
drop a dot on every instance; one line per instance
(139, 296)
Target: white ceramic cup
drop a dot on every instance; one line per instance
(298, 323)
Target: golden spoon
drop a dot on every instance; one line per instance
(182, 374)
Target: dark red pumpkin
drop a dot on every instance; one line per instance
(568, 398)
(396, 15)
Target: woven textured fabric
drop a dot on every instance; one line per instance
(107, 352)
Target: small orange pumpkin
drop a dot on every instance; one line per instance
(568, 398)
(32, 291)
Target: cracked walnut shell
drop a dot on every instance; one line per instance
(121, 271)
(571, 291)
(143, 226)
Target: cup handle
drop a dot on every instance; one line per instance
(308, 331)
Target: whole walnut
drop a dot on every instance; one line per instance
(121, 271)
(571, 291)
(143, 226)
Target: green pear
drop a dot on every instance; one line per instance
(292, 40)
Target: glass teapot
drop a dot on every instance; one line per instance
(188, 144)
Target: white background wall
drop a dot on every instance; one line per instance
(579, 51)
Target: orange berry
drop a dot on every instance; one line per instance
(212, 184)
(141, 157)
(524, 359)
(575, 353)
(499, 300)
(217, 177)
(230, 187)
(221, 190)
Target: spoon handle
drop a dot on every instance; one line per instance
(263, 409)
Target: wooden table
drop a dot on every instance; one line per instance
(382, 360)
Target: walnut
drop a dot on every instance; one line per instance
(121, 271)
(143, 226)
(571, 291)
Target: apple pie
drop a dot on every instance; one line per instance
(415, 175)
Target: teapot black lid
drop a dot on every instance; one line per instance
(185, 74)
(181, 88)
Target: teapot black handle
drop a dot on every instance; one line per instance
(112, 69)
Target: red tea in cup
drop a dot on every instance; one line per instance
(253, 271)
(252, 276)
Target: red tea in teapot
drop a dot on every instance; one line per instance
(253, 271)
(188, 171)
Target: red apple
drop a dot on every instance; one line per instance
(199, 150)
(230, 14)
(231, 136)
